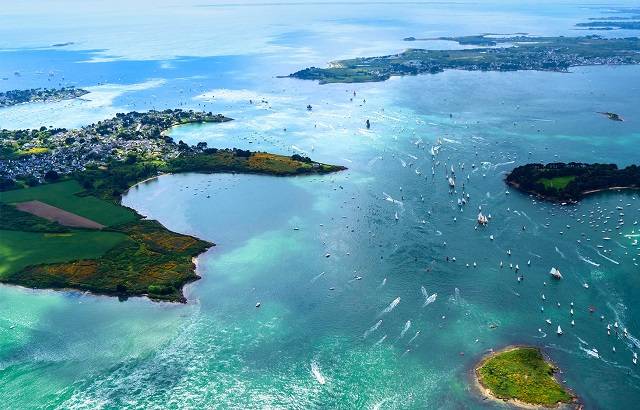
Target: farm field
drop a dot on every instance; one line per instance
(63, 195)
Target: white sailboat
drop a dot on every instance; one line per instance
(555, 273)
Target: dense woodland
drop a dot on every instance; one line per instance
(587, 177)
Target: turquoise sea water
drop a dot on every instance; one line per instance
(357, 319)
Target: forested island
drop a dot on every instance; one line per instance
(61, 222)
(511, 53)
(520, 375)
(15, 97)
(570, 182)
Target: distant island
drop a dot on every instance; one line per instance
(612, 116)
(493, 54)
(623, 18)
(61, 222)
(561, 182)
(521, 376)
(15, 97)
(610, 25)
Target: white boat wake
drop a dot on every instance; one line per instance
(391, 306)
(315, 370)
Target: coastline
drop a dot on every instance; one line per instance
(486, 394)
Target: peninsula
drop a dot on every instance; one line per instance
(492, 54)
(570, 182)
(521, 376)
(15, 97)
(61, 222)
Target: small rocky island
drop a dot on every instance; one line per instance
(62, 225)
(612, 116)
(510, 53)
(522, 377)
(570, 182)
(15, 97)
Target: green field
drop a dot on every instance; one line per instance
(557, 183)
(21, 249)
(522, 374)
(64, 195)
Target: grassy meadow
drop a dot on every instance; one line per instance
(64, 195)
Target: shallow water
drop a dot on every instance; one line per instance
(70, 350)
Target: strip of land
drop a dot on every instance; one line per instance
(493, 54)
(58, 215)
(15, 97)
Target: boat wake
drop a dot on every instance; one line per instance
(430, 300)
(587, 260)
(372, 329)
(388, 197)
(315, 370)
(391, 306)
(406, 327)
(608, 258)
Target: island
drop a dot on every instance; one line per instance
(521, 376)
(15, 97)
(612, 116)
(62, 225)
(616, 18)
(570, 182)
(492, 54)
(610, 25)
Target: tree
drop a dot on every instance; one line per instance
(51, 176)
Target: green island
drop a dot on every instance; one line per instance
(492, 54)
(14, 97)
(62, 225)
(521, 375)
(570, 182)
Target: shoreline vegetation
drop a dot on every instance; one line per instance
(522, 376)
(570, 182)
(15, 97)
(510, 53)
(114, 251)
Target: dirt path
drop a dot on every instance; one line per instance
(58, 215)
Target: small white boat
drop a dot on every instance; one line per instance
(559, 331)
(548, 321)
(555, 273)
